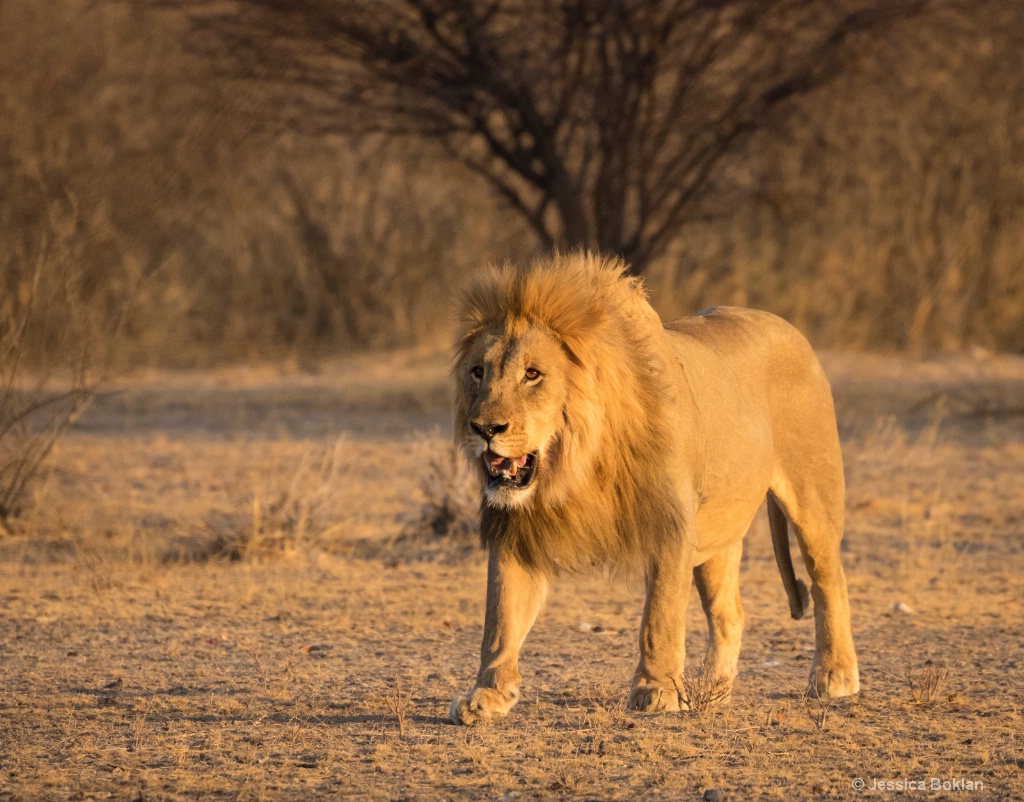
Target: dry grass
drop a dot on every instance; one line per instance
(311, 670)
(928, 684)
(291, 506)
(398, 703)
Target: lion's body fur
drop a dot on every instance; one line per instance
(665, 441)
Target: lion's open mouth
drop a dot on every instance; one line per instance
(513, 472)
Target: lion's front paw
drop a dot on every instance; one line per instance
(832, 680)
(646, 696)
(482, 704)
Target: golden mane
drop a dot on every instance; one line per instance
(608, 496)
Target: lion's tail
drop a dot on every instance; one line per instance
(799, 599)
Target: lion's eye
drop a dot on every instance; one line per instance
(532, 374)
(477, 372)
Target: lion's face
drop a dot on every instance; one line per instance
(514, 385)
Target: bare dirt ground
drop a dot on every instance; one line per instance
(228, 588)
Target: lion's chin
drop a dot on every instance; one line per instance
(509, 498)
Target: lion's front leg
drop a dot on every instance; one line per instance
(658, 680)
(514, 597)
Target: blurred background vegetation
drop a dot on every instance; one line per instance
(161, 190)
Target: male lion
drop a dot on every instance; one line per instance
(604, 437)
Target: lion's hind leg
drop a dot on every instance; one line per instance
(717, 581)
(814, 506)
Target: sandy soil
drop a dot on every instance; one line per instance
(225, 589)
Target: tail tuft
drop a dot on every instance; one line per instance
(802, 603)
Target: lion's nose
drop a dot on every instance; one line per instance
(488, 430)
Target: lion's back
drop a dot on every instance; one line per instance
(754, 348)
(737, 330)
(755, 366)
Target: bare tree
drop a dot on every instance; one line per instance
(601, 123)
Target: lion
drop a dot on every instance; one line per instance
(603, 437)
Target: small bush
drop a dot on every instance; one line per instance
(704, 693)
(451, 496)
(927, 685)
(288, 510)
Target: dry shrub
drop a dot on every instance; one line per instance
(51, 358)
(289, 510)
(451, 493)
(817, 709)
(398, 703)
(446, 523)
(927, 685)
(705, 693)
